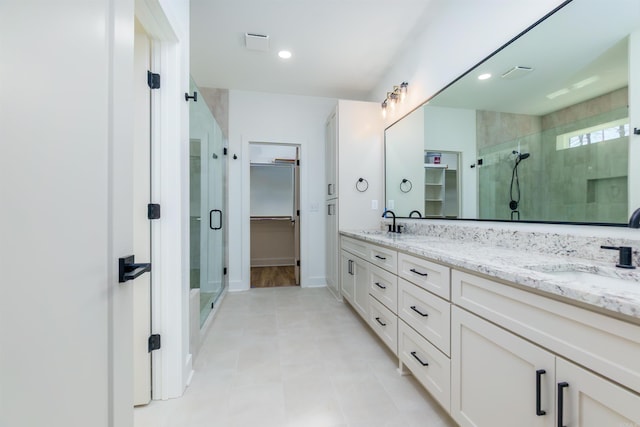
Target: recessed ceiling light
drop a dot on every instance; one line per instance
(284, 54)
(484, 76)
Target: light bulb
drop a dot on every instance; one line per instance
(403, 90)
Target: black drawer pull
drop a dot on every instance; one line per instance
(561, 387)
(415, 356)
(539, 374)
(380, 286)
(380, 257)
(413, 270)
(380, 321)
(413, 307)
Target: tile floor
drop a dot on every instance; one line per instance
(285, 357)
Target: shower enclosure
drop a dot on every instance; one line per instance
(207, 182)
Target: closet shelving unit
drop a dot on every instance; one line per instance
(434, 189)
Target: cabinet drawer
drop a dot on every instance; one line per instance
(427, 363)
(383, 258)
(354, 246)
(428, 275)
(428, 314)
(384, 323)
(603, 344)
(384, 287)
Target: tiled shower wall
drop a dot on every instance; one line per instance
(583, 184)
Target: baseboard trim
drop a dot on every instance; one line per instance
(314, 282)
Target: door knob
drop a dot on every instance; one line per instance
(128, 270)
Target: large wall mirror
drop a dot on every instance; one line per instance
(540, 130)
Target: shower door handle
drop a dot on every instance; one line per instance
(219, 227)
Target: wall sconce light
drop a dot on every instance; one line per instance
(398, 94)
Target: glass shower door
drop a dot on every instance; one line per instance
(207, 183)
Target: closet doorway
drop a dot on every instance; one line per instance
(275, 215)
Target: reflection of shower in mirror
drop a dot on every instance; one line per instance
(515, 185)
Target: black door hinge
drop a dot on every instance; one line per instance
(224, 151)
(298, 212)
(297, 162)
(153, 80)
(154, 342)
(153, 211)
(298, 263)
(224, 271)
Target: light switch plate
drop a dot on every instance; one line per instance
(374, 204)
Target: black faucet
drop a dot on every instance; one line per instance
(634, 221)
(392, 227)
(625, 256)
(412, 212)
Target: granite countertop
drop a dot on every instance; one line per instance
(618, 291)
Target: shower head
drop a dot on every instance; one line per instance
(523, 156)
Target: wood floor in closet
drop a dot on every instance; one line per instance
(271, 277)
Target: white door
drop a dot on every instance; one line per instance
(361, 287)
(141, 226)
(347, 276)
(66, 132)
(591, 401)
(332, 249)
(493, 376)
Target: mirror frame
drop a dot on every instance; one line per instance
(469, 71)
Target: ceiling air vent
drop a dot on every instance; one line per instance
(516, 72)
(258, 42)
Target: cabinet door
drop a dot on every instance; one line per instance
(494, 376)
(361, 291)
(592, 401)
(347, 276)
(331, 160)
(332, 252)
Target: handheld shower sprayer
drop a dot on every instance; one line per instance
(515, 195)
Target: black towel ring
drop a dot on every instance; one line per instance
(362, 185)
(403, 185)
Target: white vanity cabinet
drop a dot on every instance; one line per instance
(516, 368)
(369, 284)
(493, 354)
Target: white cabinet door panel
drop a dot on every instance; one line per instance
(592, 401)
(494, 376)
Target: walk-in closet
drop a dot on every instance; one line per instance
(275, 221)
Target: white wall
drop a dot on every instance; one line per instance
(404, 160)
(360, 136)
(460, 34)
(262, 117)
(454, 129)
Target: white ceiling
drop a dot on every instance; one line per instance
(580, 52)
(341, 48)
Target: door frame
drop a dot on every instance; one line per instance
(245, 216)
(172, 364)
(296, 206)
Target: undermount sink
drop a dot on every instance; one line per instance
(584, 274)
